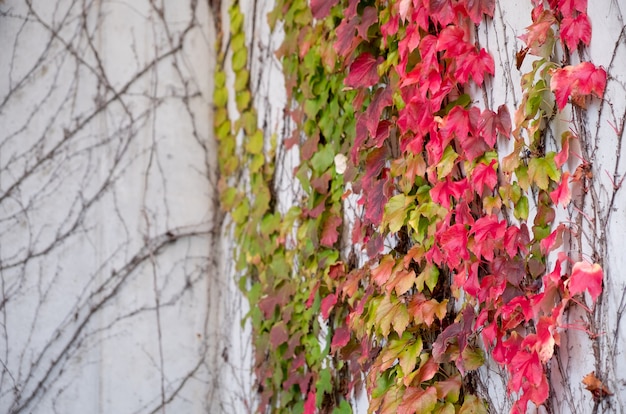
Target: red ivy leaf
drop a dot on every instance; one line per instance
(363, 71)
(340, 338)
(321, 8)
(476, 8)
(525, 366)
(452, 40)
(561, 194)
(579, 80)
(574, 30)
(454, 242)
(442, 192)
(476, 65)
(567, 7)
(327, 304)
(375, 198)
(368, 18)
(563, 155)
(484, 176)
(309, 405)
(504, 121)
(346, 40)
(329, 232)
(586, 276)
(441, 10)
(278, 334)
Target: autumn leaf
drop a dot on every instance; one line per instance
(484, 176)
(341, 337)
(597, 388)
(476, 8)
(577, 81)
(279, 334)
(382, 272)
(321, 8)
(454, 243)
(476, 65)
(568, 7)
(396, 211)
(330, 234)
(327, 304)
(586, 276)
(561, 194)
(363, 71)
(575, 30)
(472, 405)
(541, 170)
(418, 400)
(537, 33)
(309, 405)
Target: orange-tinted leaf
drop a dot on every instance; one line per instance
(597, 388)
(330, 234)
(382, 272)
(418, 400)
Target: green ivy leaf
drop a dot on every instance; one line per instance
(241, 80)
(343, 408)
(472, 405)
(520, 210)
(240, 58)
(323, 159)
(255, 143)
(541, 170)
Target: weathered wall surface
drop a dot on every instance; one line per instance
(108, 229)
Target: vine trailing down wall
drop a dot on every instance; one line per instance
(455, 254)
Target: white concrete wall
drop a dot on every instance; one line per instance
(109, 248)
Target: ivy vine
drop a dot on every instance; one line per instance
(445, 262)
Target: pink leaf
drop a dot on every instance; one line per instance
(582, 79)
(568, 7)
(575, 30)
(484, 176)
(327, 305)
(561, 194)
(340, 338)
(586, 276)
(309, 405)
(475, 9)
